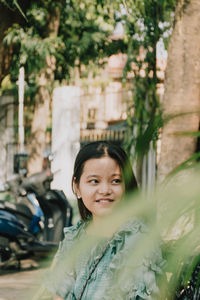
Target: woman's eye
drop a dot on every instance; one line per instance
(116, 181)
(93, 181)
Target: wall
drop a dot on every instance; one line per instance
(6, 137)
(65, 135)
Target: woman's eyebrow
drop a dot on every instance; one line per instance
(117, 174)
(93, 175)
(96, 175)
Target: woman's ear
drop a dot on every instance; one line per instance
(76, 188)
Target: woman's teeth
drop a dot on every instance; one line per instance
(104, 200)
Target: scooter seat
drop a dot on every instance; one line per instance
(17, 208)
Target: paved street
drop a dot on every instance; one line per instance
(21, 285)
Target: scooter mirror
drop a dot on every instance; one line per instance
(22, 191)
(4, 187)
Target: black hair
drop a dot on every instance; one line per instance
(99, 149)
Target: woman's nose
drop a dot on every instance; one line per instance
(104, 188)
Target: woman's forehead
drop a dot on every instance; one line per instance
(102, 164)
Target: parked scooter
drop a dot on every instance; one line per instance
(35, 223)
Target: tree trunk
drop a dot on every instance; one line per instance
(182, 88)
(41, 116)
(8, 17)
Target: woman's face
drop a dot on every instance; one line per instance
(101, 186)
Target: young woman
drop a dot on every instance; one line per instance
(92, 261)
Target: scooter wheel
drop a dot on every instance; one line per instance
(5, 251)
(5, 254)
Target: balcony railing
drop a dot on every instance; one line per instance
(90, 135)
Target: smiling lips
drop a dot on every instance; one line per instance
(104, 201)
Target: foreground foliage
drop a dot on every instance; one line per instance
(172, 217)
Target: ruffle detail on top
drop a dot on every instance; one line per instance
(128, 279)
(60, 278)
(117, 276)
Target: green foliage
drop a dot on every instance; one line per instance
(146, 23)
(85, 29)
(172, 222)
(83, 38)
(6, 85)
(13, 5)
(31, 50)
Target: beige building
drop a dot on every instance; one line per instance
(106, 102)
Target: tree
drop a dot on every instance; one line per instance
(146, 24)
(34, 50)
(182, 90)
(45, 83)
(9, 15)
(58, 36)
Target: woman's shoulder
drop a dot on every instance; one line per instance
(132, 226)
(72, 231)
(75, 231)
(60, 278)
(71, 235)
(133, 234)
(128, 234)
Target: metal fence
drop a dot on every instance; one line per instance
(90, 135)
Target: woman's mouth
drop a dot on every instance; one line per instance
(104, 200)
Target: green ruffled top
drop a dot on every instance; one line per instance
(105, 269)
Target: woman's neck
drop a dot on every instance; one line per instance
(100, 227)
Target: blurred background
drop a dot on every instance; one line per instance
(74, 71)
(78, 71)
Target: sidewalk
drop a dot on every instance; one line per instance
(21, 285)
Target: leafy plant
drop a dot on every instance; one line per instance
(170, 218)
(146, 24)
(13, 4)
